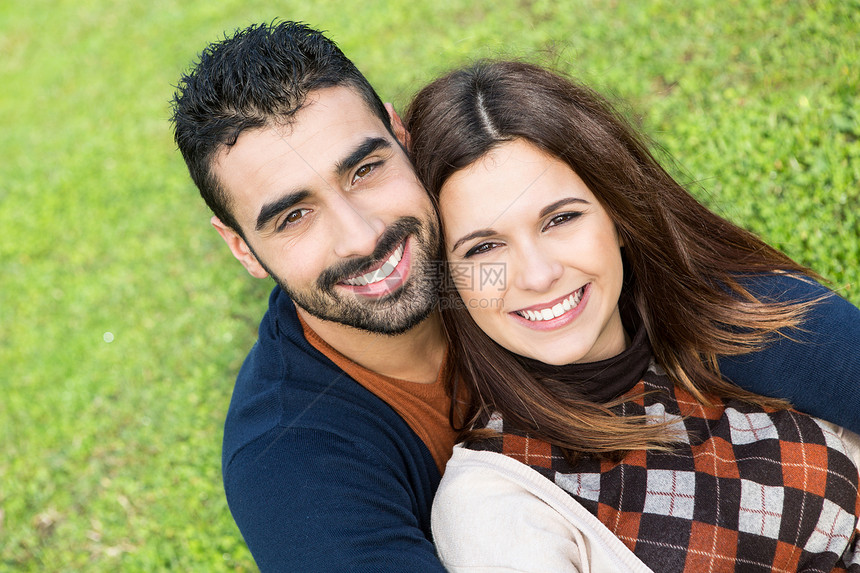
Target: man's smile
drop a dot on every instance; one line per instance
(386, 278)
(381, 272)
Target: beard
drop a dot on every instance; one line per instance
(394, 313)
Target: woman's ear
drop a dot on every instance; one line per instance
(240, 249)
(397, 126)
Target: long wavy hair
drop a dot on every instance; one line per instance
(684, 264)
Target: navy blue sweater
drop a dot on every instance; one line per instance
(817, 369)
(321, 475)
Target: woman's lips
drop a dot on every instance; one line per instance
(556, 313)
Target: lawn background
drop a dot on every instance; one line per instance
(125, 319)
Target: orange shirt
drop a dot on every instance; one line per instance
(424, 407)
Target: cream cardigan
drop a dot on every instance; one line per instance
(494, 514)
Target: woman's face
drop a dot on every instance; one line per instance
(534, 256)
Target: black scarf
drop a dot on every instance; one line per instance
(603, 380)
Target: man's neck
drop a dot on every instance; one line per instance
(416, 355)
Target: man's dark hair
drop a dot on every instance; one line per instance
(260, 76)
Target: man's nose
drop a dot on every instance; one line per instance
(356, 231)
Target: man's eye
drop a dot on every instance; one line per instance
(293, 217)
(364, 171)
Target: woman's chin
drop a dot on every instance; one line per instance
(547, 356)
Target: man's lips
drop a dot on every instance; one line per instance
(386, 278)
(381, 272)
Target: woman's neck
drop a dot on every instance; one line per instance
(603, 380)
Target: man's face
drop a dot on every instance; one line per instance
(331, 208)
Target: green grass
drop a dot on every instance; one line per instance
(110, 453)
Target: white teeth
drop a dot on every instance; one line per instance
(380, 273)
(559, 309)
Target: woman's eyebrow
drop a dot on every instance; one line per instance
(561, 203)
(480, 233)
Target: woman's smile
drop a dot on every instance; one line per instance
(554, 314)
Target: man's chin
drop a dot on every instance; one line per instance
(374, 323)
(389, 330)
(388, 307)
(396, 314)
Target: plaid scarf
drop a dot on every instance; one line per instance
(750, 489)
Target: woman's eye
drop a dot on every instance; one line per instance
(562, 218)
(481, 248)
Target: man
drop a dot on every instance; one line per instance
(339, 425)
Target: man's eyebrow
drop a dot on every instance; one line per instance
(479, 234)
(271, 210)
(364, 149)
(561, 203)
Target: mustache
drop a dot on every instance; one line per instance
(395, 234)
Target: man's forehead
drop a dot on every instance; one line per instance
(331, 124)
(330, 119)
(331, 127)
(333, 106)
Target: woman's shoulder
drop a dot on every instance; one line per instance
(493, 511)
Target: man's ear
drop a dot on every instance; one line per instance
(240, 249)
(397, 126)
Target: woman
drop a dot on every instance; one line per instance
(592, 364)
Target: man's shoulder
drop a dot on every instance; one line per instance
(286, 385)
(815, 366)
(789, 287)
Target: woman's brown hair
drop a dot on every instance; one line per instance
(685, 265)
